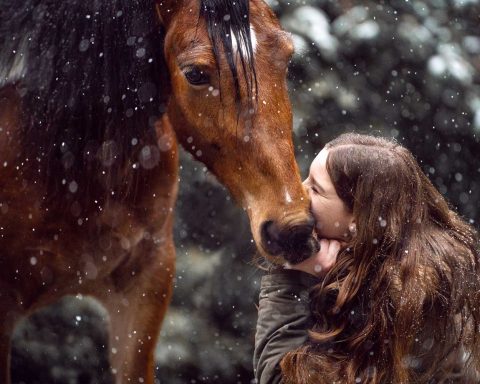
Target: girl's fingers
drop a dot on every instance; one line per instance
(325, 260)
(324, 245)
(328, 248)
(334, 248)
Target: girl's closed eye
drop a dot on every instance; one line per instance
(312, 187)
(317, 189)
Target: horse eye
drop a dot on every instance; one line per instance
(196, 76)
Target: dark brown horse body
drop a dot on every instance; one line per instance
(86, 200)
(118, 250)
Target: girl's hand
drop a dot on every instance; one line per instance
(320, 263)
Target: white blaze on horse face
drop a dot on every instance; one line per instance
(288, 198)
(253, 38)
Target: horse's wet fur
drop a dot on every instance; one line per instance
(94, 99)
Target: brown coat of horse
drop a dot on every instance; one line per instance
(108, 232)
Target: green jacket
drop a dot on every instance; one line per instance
(283, 320)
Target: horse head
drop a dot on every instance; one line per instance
(230, 108)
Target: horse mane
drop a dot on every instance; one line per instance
(92, 71)
(88, 72)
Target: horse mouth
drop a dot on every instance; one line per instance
(292, 243)
(296, 256)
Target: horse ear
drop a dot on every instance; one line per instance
(166, 9)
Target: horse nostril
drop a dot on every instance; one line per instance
(271, 238)
(294, 242)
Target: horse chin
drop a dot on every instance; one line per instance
(274, 261)
(292, 256)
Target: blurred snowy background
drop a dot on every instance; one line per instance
(408, 69)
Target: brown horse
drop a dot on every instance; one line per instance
(93, 98)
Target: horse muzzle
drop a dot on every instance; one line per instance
(293, 241)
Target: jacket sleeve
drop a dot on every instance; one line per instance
(283, 320)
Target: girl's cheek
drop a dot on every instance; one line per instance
(316, 208)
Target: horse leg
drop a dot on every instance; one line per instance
(9, 314)
(5, 356)
(136, 314)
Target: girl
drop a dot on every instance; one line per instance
(393, 295)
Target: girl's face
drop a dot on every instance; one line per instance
(332, 217)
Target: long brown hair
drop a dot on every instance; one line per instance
(401, 305)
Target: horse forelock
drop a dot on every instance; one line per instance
(228, 24)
